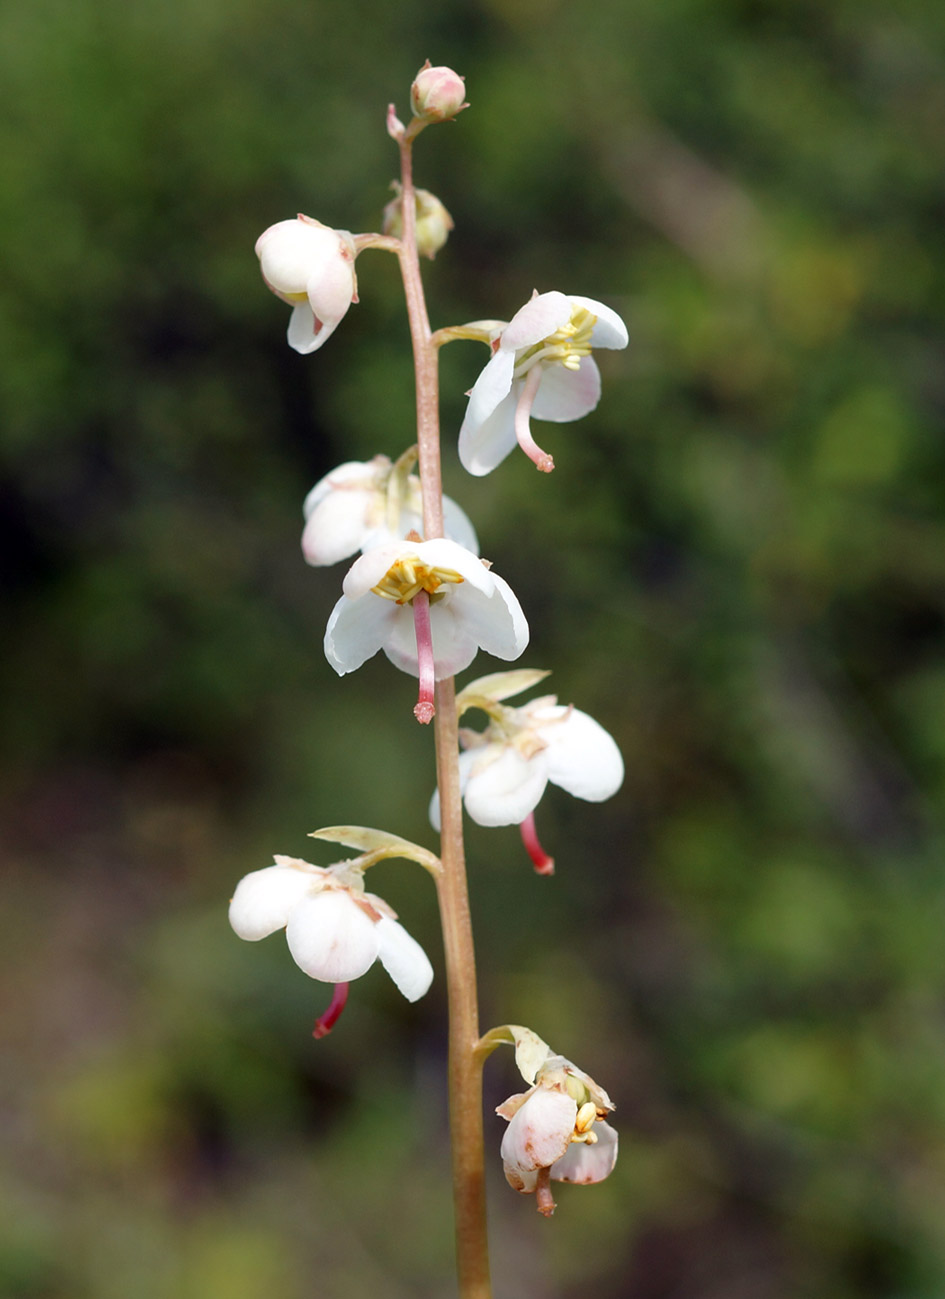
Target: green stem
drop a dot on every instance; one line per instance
(465, 1073)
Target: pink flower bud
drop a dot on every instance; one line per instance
(437, 94)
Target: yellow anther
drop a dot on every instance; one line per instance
(585, 1117)
(409, 576)
(566, 346)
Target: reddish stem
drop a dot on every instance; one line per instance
(425, 708)
(327, 1021)
(544, 865)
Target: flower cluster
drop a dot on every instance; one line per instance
(418, 591)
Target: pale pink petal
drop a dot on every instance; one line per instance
(305, 333)
(565, 394)
(583, 1164)
(357, 629)
(538, 1134)
(353, 475)
(264, 898)
(582, 757)
(403, 958)
(484, 445)
(535, 321)
(609, 331)
(331, 289)
(494, 382)
(503, 787)
(331, 938)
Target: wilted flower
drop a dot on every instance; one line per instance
(335, 930)
(541, 366)
(311, 267)
(505, 768)
(361, 505)
(429, 605)
(557, 1132)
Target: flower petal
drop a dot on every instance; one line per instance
(583, 1164)
(336, 526)
(305, 333)
(565, 394)
(609, 331)
(536, 320)
(493, 384)
(357, 629)
(538, 1135)
(331, 938)
(503, 787)
(454, 644)
(582, 757)
(289, 250)
(496, 621)
(263, 899)
(367, 571)
(484, 445)
(466, 764)
(403, 958)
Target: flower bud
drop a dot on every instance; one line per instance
(433, 222)
(311, 267)
(437, 94)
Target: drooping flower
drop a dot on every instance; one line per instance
(361, 505)
(335, 930)
(557, 1130)
(311, 267)
(542, 366)
(505, 768)
(430, 606)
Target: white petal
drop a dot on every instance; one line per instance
(367, 571)
(609, 331)
(357, 629)
(503, 787)
(441, 552)
(304, 334)
(466, 764)
(565, 394)
(583, 1164)
(403, 958)
(457, 526)
(493, 384)
(337, 526)
(454, 644)
(539, 1133)
(497, 621)
(289, 251)
(331, 938)
(582, 757)
(331, 289)
(536, 320)
(352, 475)
(485, 445)
(264, 898)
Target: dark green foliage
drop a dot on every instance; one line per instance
(738, 566)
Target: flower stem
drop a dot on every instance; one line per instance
(465, 1074)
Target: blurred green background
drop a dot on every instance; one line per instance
(738, 566)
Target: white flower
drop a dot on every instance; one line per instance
(361, 505)
(541, 365)
(335, 930)
(505, 768)
(311, 267)
(429, 605)
(557, 1132)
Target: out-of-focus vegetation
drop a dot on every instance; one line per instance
(738, 566)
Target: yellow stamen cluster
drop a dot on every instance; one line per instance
(566, 346)
(586, 1117)
(409, 576)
